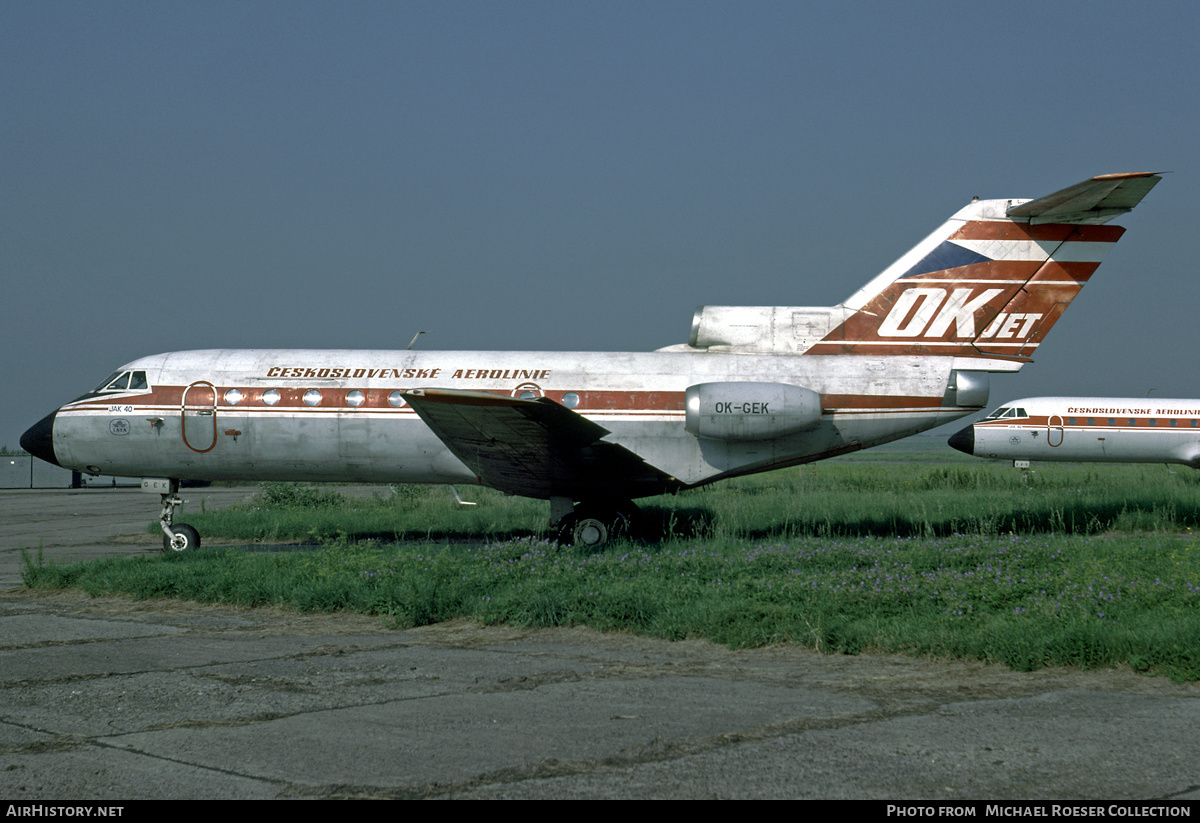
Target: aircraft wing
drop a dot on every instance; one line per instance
(1093, 201)
(535, 448)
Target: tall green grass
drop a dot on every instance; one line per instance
(1027, 602)
(843, 498)
(836, 498)
(289, 512)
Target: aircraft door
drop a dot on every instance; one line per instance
(1054, 430)
(198, 416)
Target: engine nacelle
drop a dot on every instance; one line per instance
(750, 411)
(968, 388)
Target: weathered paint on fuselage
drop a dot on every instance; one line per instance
(1089, 429)
(638, 397)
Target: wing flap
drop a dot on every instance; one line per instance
(534, 448)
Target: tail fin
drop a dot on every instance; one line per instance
(988, 284)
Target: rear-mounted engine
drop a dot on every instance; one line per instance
(750, 411)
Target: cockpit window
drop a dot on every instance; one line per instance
(1006, 412)
(119, 382)
(108, 381)
(123, 381)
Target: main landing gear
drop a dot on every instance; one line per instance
(180, 537)
(591, 523)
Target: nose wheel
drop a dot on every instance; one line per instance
(179, 537)
(185, 538)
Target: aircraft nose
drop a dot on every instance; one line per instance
(39, 440)
(964, 440)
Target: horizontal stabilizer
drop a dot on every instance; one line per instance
(1093, 201)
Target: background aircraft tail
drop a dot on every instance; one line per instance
(988, 284)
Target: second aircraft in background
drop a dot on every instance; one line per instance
(1088, 429)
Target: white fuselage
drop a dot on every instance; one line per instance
(334, 415)
(1088, 429)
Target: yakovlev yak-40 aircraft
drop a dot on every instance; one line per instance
(754, 388)
(1088, 430)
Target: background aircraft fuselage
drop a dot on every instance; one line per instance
(1088, 429)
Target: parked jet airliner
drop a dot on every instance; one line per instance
(1088, 429)
(754, 388)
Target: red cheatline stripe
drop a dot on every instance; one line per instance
(166, 399)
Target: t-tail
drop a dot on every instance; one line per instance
(989, 284)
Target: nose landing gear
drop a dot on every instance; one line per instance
(180, 537)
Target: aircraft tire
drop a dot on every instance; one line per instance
(594, 526)
(186, 539)
(591, 532)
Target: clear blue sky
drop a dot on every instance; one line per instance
(562, 175)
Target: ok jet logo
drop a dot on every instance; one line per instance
(928, 312)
